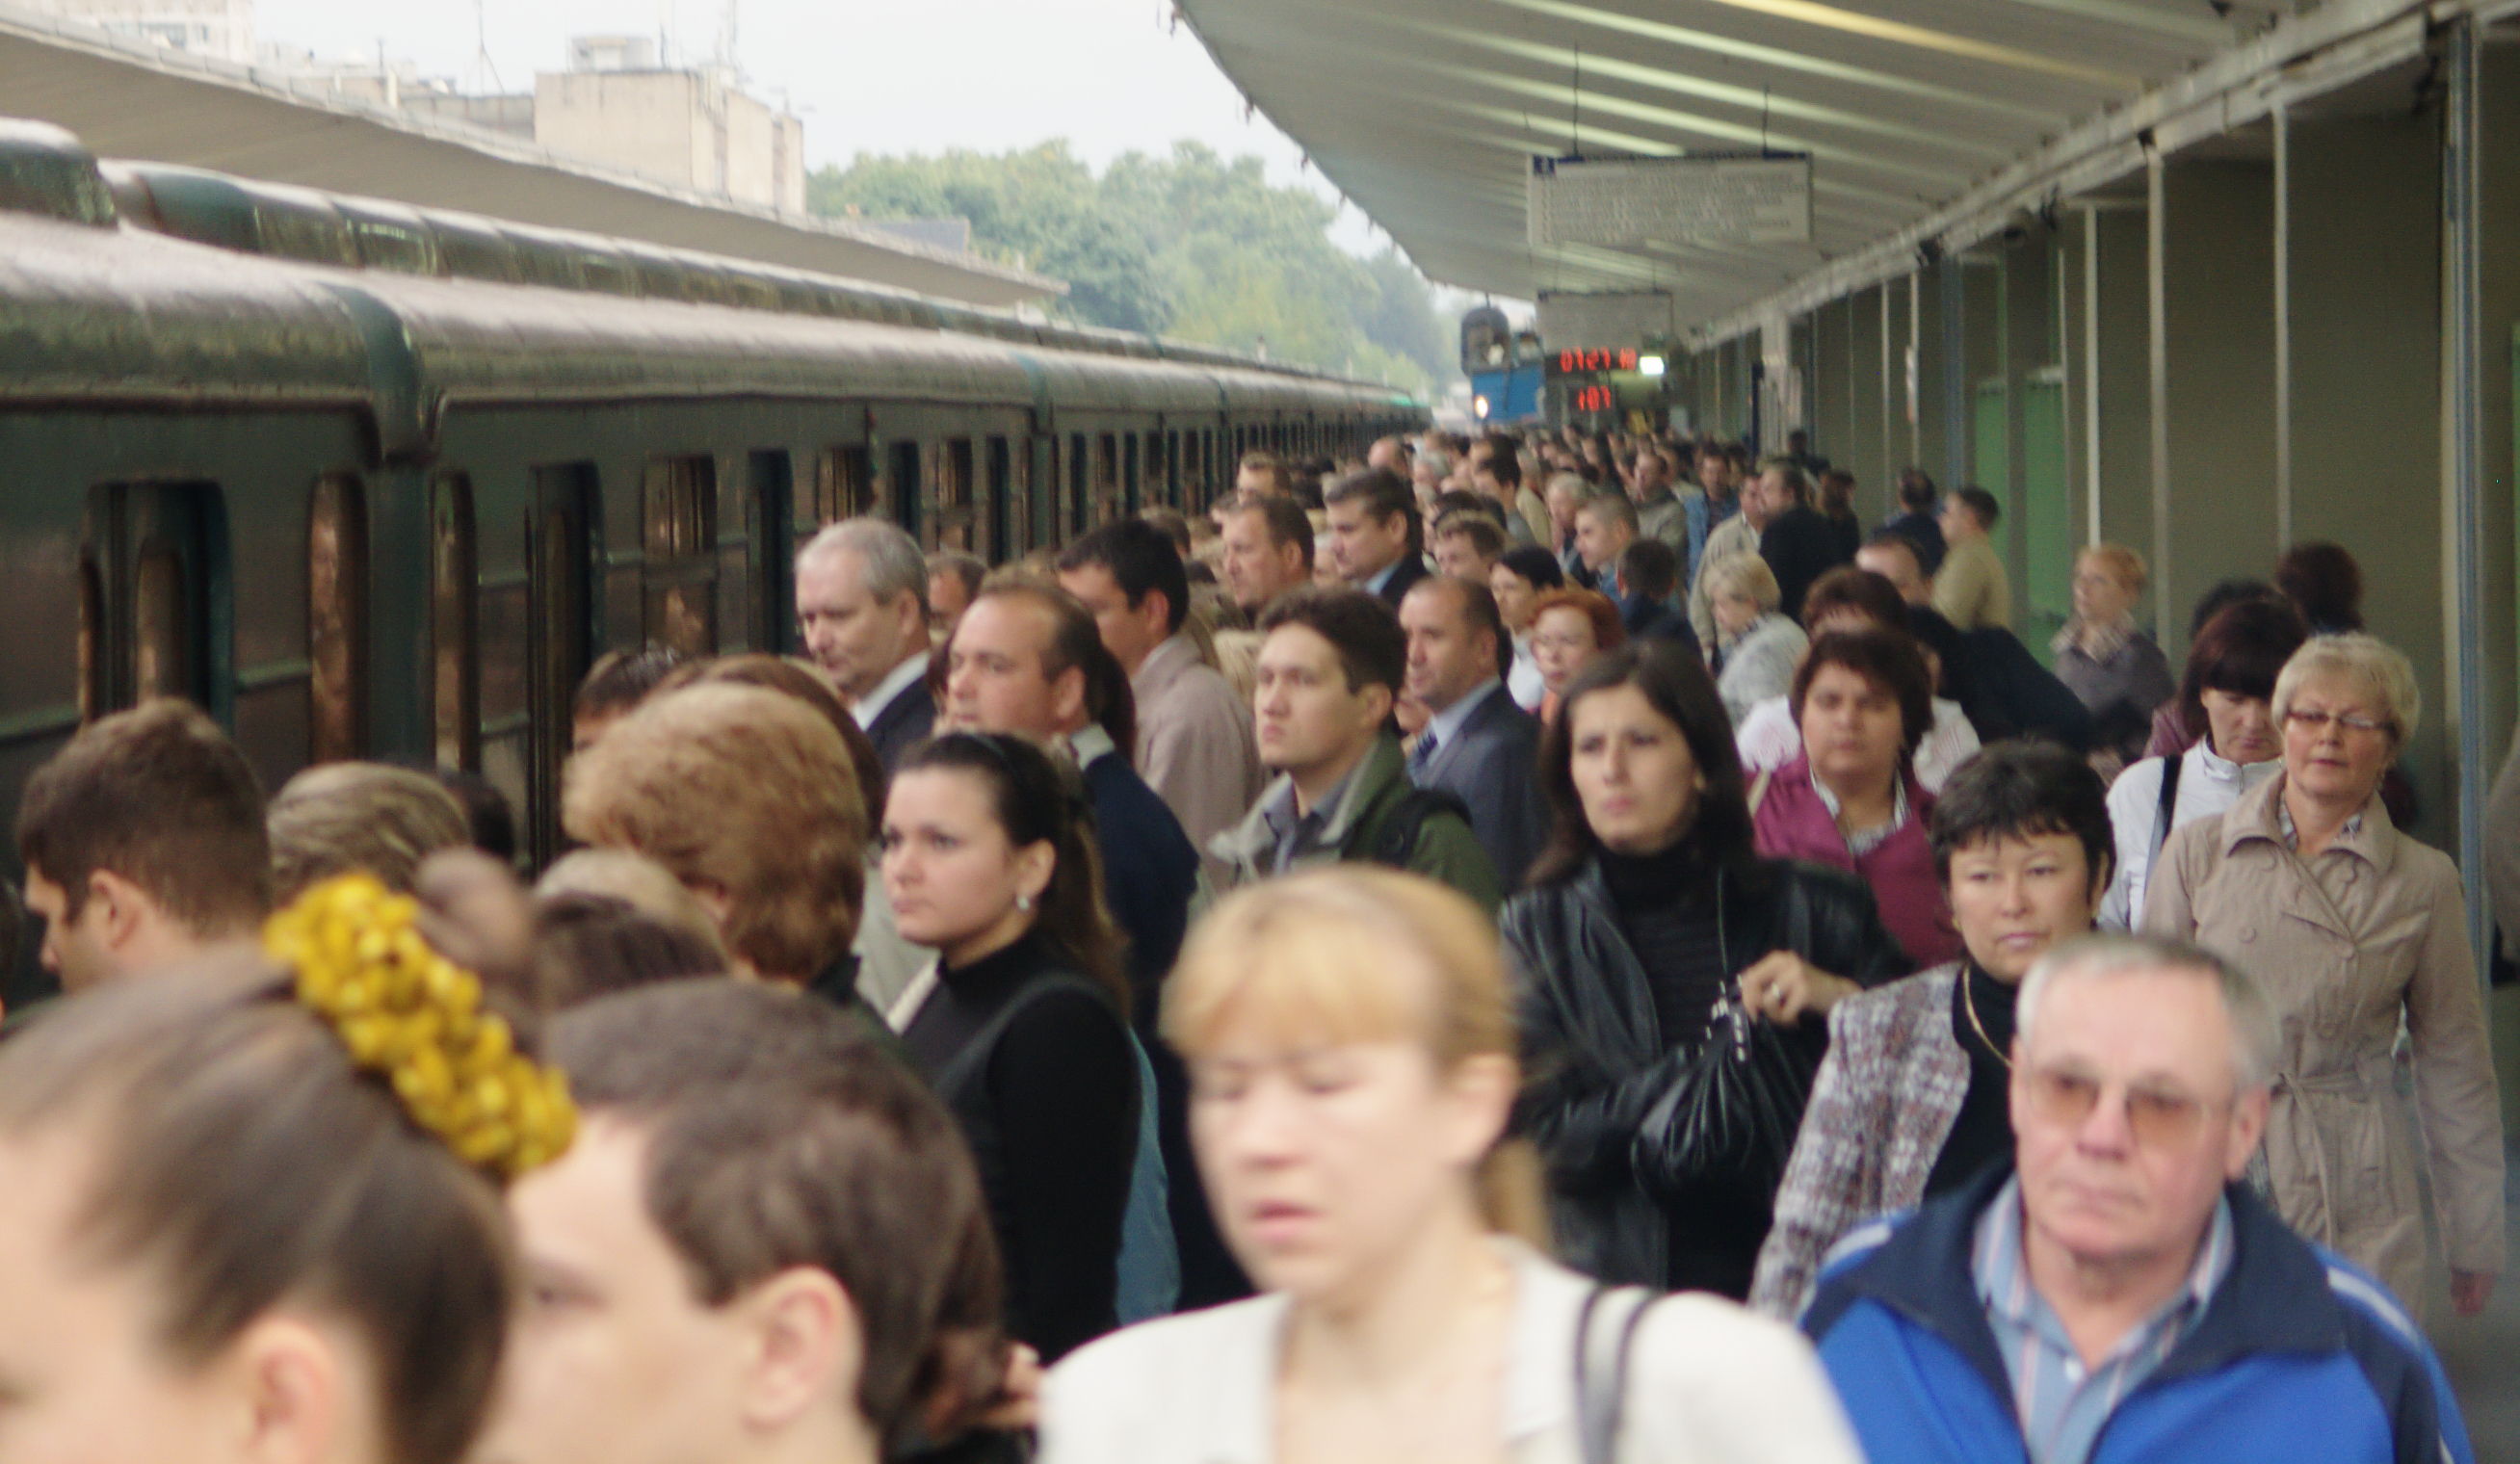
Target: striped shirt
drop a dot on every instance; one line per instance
(2063, 1403)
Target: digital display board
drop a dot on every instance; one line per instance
(1596, 358)
(1594, 399)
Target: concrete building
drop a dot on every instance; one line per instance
(222, 28)
(687, 128)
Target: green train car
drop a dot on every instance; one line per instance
(365, 480)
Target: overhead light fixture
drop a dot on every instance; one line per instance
(1652, 366)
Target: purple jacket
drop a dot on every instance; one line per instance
(1793, 823)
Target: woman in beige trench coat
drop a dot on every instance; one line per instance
(2350, 924)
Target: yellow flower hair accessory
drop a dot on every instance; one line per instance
(412, 1015)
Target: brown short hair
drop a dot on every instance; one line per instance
(1076, 641)
(779, 1136)
(620, 680)
(1269, 465)
(1889, 659)
(1868, 594)
(1284, 518)
(340, 816)
(1382, 494)
(808, 684)
(242, 1162)
(159, 796)
(1372, 649)
(747, 789)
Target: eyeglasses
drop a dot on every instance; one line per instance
(2316, 723)
(1561, 642)
(2159, 1118)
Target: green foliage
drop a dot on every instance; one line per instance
(1189, 245)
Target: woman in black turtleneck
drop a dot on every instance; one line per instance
(1646, 908)
(1021, 1023)
(1912, 1100)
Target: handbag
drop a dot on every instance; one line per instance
(1602, 1392)
(1731, 1117)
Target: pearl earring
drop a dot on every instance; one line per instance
(1024, 902)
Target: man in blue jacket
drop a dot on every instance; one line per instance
(2119, 1295)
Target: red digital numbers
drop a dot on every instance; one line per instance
(1596, 358)
(1596, 399)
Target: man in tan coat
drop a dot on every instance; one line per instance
(1971, 589)
(1195, 746)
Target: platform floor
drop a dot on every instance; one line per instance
(2482, 1354)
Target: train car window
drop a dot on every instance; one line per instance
(1106, 478)
(95, 690)
(454, 621)
(157, 625)
(1002, 545)
(679, 531)
(544, 260)
(473, 253)
(770, 533)
(303, 228)
(908, 486)
(560, 634)
(337, 615)
(1080, 484)
(957, 526)
(397, 242)
(843, 484)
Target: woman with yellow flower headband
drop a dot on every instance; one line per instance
(250, 1212)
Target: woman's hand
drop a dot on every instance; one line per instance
(1785, 987)
(2470, 1289)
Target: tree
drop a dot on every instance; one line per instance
(1189, 244)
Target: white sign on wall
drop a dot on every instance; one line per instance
(1630, 201)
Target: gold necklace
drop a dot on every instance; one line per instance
(1968, 1003)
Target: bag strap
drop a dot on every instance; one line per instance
(1395, 843)
(1602, 1399)
(1759, 789)
(2170, 766)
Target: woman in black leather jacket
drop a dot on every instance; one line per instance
(1646, 907)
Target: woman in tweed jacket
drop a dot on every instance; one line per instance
(1913, 1097)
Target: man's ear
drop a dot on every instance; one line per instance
(1067, 697)
(2248, 1125)
(805, 1348)
(123, 912)
(290, 1391)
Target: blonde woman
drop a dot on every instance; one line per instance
(2111, 665)
(2353, 927)
(1351, 1049)
(1755, 646)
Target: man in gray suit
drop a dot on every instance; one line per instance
(1477, 745)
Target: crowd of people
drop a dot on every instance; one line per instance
(1529, 947)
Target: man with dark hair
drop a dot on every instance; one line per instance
(1374, 533)
(144, 845)
(1920, 504)
(1970, 588)
(1649, 571)
(1796, 541)
(1390, 454)
(1263, 472)
(1713, 506)
(1660, 514)
(1477, 745)
(615, 686)
(1468, 545)
(1194, 740)
(1268, 550)
(1497, 479)
(1332, 664)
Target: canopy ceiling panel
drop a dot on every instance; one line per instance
(1426, 114)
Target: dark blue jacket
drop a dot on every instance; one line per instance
(1150, 873)
(2299, 1356)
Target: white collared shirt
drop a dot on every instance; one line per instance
(895, 682)
(1444, 724)
(2209, 785)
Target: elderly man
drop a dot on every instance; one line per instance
(862, 605)
(2121, 1294)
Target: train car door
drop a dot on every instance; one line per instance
(158, 607)
(770, 529)
(559, 547)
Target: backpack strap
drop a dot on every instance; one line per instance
(1759, 789)
(1396, 841)
(1601, 1394)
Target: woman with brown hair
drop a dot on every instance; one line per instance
(1851, 800)
(250, 1212)
(1351, 1038)
(1021, 1024)
(1647, 912)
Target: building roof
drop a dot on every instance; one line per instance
(128, 98)
(1928, 122)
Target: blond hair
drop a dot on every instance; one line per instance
(1747, 576)
(1333, 952)
(2356, 656)
(2124, 565)
(637, 881)
(745, 788)
(343, 816)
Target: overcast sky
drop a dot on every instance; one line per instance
(1111, 76)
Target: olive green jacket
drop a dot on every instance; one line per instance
(1446, 850)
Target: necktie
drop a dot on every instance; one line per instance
(1421, 755)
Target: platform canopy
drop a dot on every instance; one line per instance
(1916, 113)
(131, 98)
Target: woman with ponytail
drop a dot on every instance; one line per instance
(1021, 1024)
(1351, 1048)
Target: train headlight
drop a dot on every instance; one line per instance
(1479, 408)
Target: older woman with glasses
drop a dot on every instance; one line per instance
(2351, 925)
